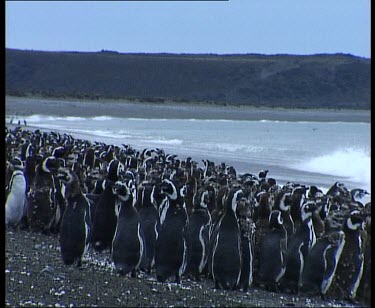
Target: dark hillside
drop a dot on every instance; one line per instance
(316, 81)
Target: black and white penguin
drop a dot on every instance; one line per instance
(41, 204)
(283, 203)
(89, 158)
(105, 219)
(350, 266)
(94, 196)
(262, 211)
(321, 263)
(299, 245)
(171, 244)
(364, 289)
(15, 205)
(314, 192)
(27, 150)
(339, 193)
(262, 175)
(128, 242)
(273, 253)
(75, 228)
(198, 235)
(247, 230)
(226, 253)
(149, 217)
(29, 170)
(358, 196)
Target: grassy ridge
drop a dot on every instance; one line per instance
(289, 81)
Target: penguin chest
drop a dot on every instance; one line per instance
(226, 256)
(350, 267)
(15, 203)
(128, 242)
(41, 208)
(73, 226)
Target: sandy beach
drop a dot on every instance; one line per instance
(20, 106)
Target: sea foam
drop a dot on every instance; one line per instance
(354, 164)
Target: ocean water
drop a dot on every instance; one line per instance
(310, 153)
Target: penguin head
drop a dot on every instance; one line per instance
(263, 174)
(71, 181)
(307, 209)
(337, 189)
(66, 175)
(275, 220)
(235, 195)
(50, 164)
(122, 190)
(16, 164)
(201, 199)
(358, 194)
(356, 220)
(171, 189)
(284, 200)
(314, 192)
(115, 169)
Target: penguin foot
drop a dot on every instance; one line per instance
(217, 287)
(352, 300)
(133, 273)
(160, 278)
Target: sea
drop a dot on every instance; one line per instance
(309, 153)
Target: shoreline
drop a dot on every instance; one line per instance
(26, 106)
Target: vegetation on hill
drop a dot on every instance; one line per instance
(311, 81)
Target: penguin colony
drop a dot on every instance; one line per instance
(173, 219)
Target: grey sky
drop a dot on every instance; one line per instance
(221, 27)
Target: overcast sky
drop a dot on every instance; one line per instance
(220, 27)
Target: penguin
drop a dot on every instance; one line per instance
(89, 158)
(350, 266)
(321, 263)
(339, 193)
(211, 197)
(128, 242)
(149, 216)
(283, 203)
(198, 234)
(15, 205)
(171, 244)
(105, 220)
(247, 230)
(273, 253)
(226, 253)
(75, 228)
(220, 201)
(27, 150)
(41, 205)
(262, 175)
(261, 216)
(314, 192)
(364, 289)
(94, 196)
(191, 189)
(357, 196)
(299, 245)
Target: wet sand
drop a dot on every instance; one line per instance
(20, 107)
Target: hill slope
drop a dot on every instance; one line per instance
(316, 81)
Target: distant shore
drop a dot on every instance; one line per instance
(25, 106)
